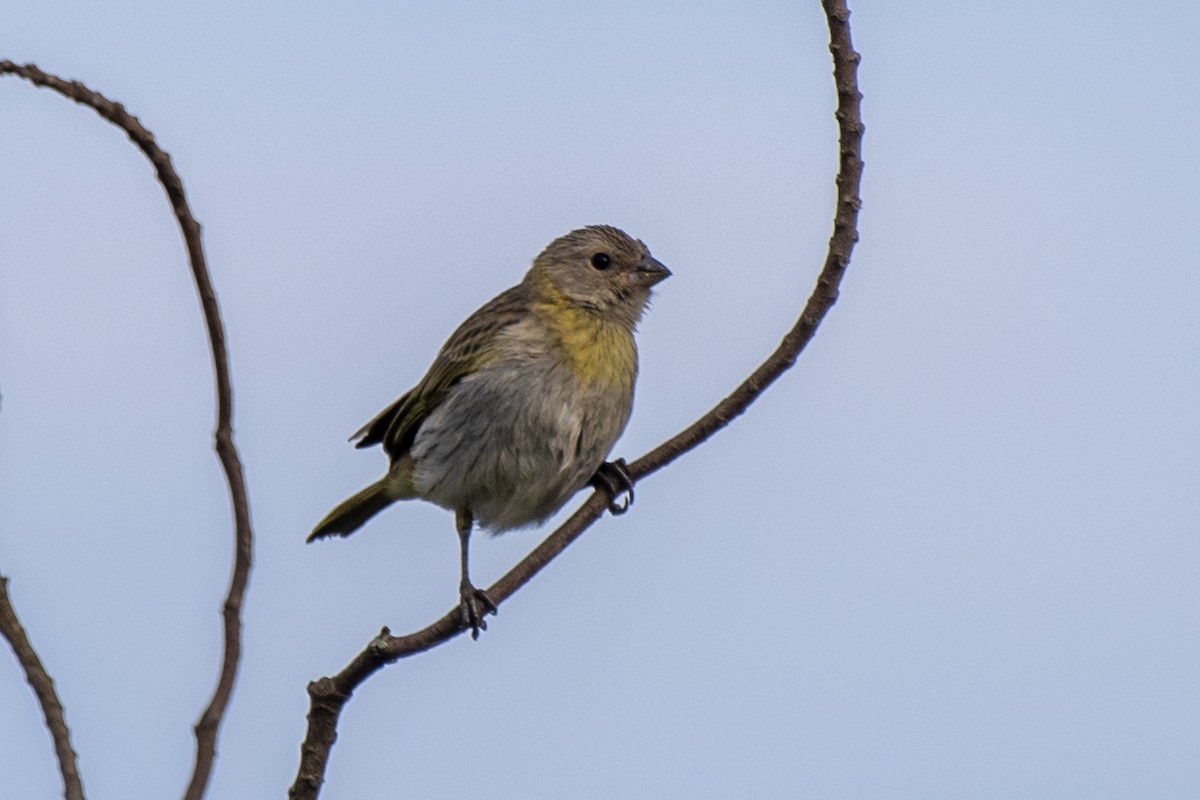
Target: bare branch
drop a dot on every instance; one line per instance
(43, 687)
(841, 243)
(207, 727)
(328, 696)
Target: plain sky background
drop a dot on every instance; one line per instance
(954, 553)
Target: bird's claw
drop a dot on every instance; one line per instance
(614, 476)
(474, 605)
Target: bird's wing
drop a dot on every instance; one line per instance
(468, 349)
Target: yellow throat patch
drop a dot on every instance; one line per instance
(599, 351)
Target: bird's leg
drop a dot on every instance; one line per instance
(473, 603)
(614, 476)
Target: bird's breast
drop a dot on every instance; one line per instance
(599, 353)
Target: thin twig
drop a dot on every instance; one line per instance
(328, 696)
(43, 688)
(210, 720)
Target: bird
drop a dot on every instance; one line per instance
(522, 404)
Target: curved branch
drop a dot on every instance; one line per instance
(328, 696)
(210, 720)
(43, 688)
(841, 244)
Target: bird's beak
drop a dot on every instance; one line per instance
(650, 271)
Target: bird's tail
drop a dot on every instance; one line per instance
(352, 512)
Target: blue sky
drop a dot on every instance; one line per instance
(953, 553)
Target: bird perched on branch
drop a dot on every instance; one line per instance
(523, 402)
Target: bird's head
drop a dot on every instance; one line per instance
(598, 268)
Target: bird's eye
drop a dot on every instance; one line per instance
(601, 261)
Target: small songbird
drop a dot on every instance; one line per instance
(523, 402)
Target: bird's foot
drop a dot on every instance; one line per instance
(614, 476)
(474, 605)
